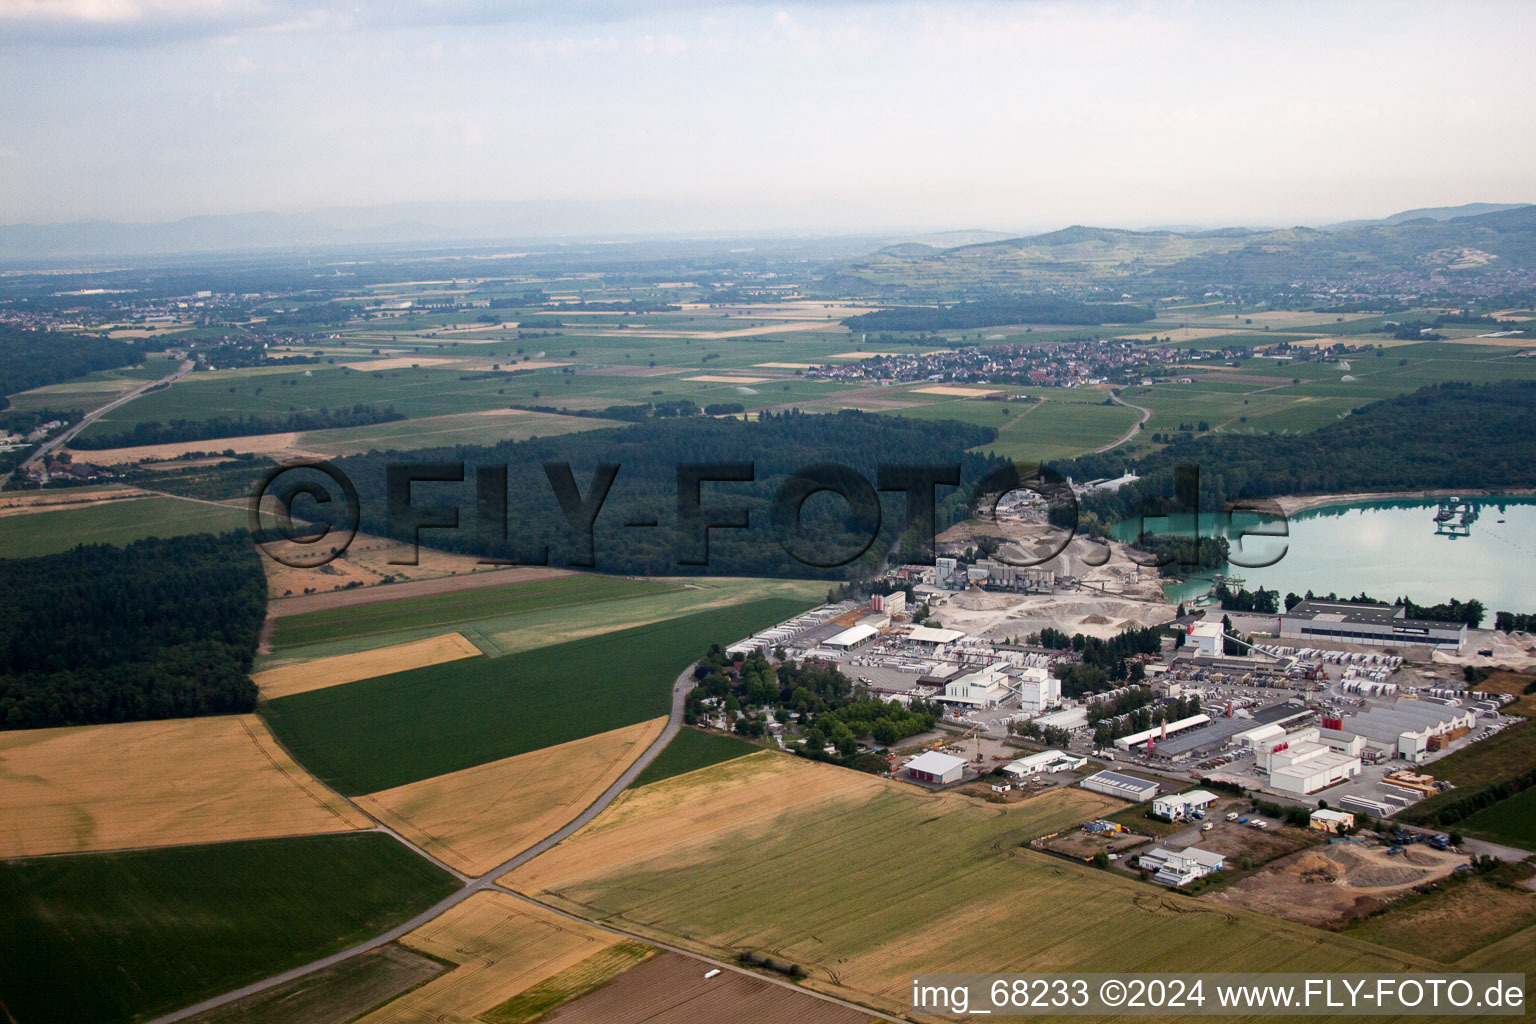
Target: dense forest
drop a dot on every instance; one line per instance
(638, 527)
(1446, 436)
(157, 629)
(30, 359)
(155, 432)
(993, 312)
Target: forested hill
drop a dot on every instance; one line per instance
(157, 629)
(30, 359)
(1446, 436)
(646, 488)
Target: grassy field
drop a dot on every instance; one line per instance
(516, 628)
(117, 522)
(452, 609)
(386, 732)
(1511, 821)
(1453, 920)
(896, 881)
(692, 749)
(119, 937)
(1501, 756)
(333, 995)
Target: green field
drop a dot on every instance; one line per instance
(901, 882)
(378, 733)
(1501, 756)
(692, 749)
(428, 613)
(1511, 821)
(1456, 919)
(121, 937)
(431, 431)
(521, 617)
(117, 522)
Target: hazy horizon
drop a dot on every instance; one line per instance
(1006, 116)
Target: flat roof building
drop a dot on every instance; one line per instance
(1049, 761)
(1162, 731)
(1126, 787)
(1383, 625)
(1180, 867)
(853, 636)
(1331, 821)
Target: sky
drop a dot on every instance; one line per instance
(827, 117)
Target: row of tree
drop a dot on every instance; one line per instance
(177, 431)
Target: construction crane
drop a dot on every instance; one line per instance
(975, 731)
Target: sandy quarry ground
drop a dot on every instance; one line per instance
(1340, 880)
(349, 668)
(164, 783)
(1516, 651)
(502, 946)
(1004, 616)
(479, 817)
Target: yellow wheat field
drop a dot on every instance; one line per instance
(682, 816)
(955, 392)
(503, 946)
(189, 780)
(349, 668)
(476, 818)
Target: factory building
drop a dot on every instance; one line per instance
(1126, 787)
(1410, 728)
(890, 604)
(1204, 639)
(1382, 625)
(984, 688)
(937, 768)
(1299, 764)
(1038, 689)
(933, 638)
(851, 638)
(1160, 732)
(1183, 806)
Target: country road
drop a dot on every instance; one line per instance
(1146, 414)
(487, 881)
(67, 436)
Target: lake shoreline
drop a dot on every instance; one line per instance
(1292, 504)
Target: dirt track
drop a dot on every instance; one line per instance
(1329, 883)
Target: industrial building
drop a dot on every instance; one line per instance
(930, 636)
(1300, 764)
(936, 768)
(1183, 806)
(985, 688)
(1331, 821)
(1205, 639)
(1067, 718)
(1410, 728)
(1382, 625)
(1038, 689)
(1048, 761)
(1126, 787)
(891, 604)
(851, 638)
(1180, 867)
(1264, 723)
(1159, 732)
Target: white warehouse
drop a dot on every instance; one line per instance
(1163, 731)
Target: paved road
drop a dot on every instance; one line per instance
(95, 414)
(1146, 414)
(487, 881)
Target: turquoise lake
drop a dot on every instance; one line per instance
(1387, 549)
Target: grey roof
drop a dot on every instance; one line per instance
(1223, 729)
(1122, 783)
(1368, 614)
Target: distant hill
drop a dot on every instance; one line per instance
(1465, 240)
(1434, 213)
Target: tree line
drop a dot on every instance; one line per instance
(177, 431)
(156, 629)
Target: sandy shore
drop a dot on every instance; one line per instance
(1291, 504)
